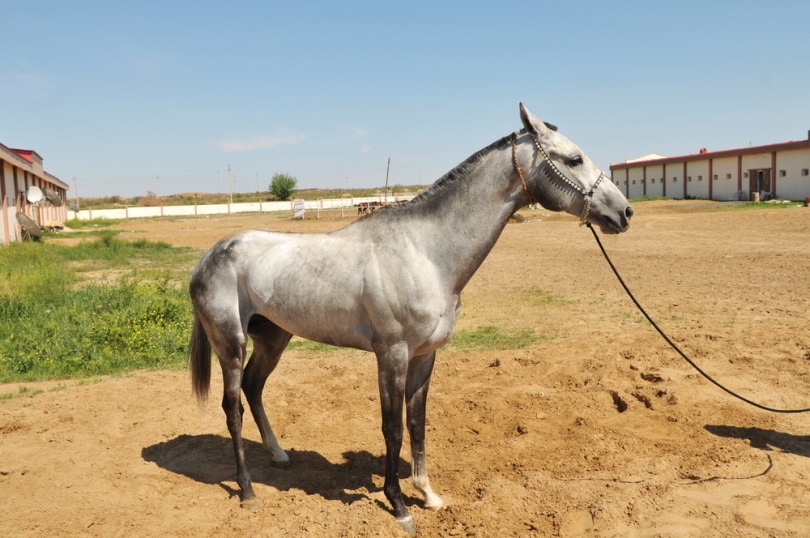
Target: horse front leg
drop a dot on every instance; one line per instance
(392, 372)
(419, 371)
(269, 341)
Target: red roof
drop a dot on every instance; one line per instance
(784, 146)
(27, 154)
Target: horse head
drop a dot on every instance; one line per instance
(563, 178)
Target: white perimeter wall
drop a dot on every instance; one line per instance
(348, 204)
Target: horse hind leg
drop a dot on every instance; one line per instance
(416, 389)
(269, 341)
(229, 345)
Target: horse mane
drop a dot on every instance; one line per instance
(441, 184)
(459, 171)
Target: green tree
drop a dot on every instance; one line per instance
(283, 186)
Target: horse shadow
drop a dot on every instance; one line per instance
(765, 439)
(209, 459)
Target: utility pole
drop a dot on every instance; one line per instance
(76, 188)
(386, 180)
(230, 181)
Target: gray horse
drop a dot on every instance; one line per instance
(400, 299)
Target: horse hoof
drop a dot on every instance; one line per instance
(250, 504)
(432, 501)
(282, 464)
(407, 524)
(435, 506)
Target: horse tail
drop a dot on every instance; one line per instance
(199, 357)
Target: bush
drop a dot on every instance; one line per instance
(283, 186)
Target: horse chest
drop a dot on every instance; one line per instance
(443, 327)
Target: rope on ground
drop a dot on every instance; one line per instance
(676, 348)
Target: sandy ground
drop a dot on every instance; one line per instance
(599, 429)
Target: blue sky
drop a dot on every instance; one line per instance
(130, 97)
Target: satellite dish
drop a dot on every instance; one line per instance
(52, 197)
(33, 194)
(29, 227)
(74, 206)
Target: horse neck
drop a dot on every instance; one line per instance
(468, 211)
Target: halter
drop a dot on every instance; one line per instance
(587, 195)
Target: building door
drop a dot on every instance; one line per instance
(759, 180)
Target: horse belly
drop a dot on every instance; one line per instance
(330, 316)
(367, 302)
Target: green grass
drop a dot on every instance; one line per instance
(543, 297)
(733, 206)
(76, 224)
(762, 205)
(57, 323)
(647, 199)
(25, 392)
(490, 337)
(300, 344)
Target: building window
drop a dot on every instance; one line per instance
(688, 178)
(782, 173)
(745, 174)
(728, 176)
(714, 177)
(805, 172)
(700, 178)
(634, 182)
(652, 180)
(674, 179)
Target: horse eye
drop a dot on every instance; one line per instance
(574, 161)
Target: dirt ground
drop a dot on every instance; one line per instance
(598, 429)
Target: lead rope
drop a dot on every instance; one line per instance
(675, 347)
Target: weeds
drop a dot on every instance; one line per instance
(55, 324)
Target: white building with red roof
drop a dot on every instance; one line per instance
(780, 171)
(26, 188)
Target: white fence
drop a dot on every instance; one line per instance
(227, 209)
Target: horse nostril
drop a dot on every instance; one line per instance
(628, 212)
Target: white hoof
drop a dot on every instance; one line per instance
(434, 502)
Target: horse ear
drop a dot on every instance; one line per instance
(533, 124)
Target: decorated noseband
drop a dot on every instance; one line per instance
(587, 195)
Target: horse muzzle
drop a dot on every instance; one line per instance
(615, 223)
